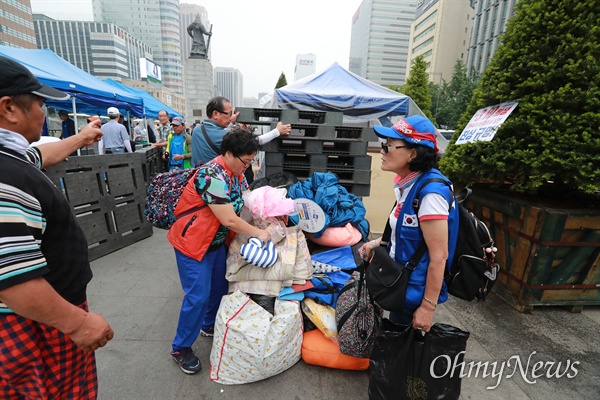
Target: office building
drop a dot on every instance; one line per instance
(187, 15)
(101, 49)
(440, 33)
(16, 24)
(489, 22)
(379, 40)
(305, 65)
(154, 22)
(229, 83)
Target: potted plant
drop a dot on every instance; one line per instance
(537, 182)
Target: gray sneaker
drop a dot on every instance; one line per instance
(208, 332)
(187, 360)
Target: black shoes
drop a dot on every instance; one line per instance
(187, 360)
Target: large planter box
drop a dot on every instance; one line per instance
(548, 256)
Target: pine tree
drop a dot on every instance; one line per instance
(417, 86)
(454, 97)
(549, 62)
(281, 82)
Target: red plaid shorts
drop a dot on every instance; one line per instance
(39, 362)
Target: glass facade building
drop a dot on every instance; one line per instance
(101, 49)
(154, 22)
(229, 83)
(489, 22)
(380, 39)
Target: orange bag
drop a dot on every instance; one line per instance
(318, 350)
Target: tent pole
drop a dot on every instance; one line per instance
(75, 119)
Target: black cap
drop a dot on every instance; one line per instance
(63, 112)
(16, 79)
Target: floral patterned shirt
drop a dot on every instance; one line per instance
(216, 185)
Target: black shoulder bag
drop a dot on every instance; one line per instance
(387, 280)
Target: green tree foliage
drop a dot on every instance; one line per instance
(549, 62)
(281, 82)
(417, 86)
(454, 97)
(435, 95)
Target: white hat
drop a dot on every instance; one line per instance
(113, 111)
(254, 253)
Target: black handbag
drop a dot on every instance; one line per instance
(387, 280)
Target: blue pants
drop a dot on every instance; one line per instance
(204, 285)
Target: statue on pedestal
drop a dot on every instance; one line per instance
(196, 30)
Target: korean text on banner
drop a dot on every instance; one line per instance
(486, 121)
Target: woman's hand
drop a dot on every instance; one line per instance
(367, 249)
(423, 317)
(264, 236)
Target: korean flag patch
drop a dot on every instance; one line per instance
(410, 220)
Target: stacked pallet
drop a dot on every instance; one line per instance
(319, 142)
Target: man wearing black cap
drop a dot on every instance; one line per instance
(68, 125)
(47, 335)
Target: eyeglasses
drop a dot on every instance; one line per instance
(246, 163)
(230, 113)
(387, 148)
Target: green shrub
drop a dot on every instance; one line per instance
(549, 61)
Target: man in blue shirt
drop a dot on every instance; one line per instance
(220, 114)
(68, 125)
(179, 146)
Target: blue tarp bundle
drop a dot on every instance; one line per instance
(337, 89)
(340, 207)
(93, 95)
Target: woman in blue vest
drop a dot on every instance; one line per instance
(410, 150)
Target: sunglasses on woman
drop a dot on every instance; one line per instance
(387, 148)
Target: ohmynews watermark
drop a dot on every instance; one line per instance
(530, 372)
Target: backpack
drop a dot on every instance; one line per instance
(473, 271)
(164, 193)
(357, 317)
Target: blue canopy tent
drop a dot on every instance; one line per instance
(89, 94)
(151, 105)
(337, 89)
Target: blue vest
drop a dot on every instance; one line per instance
(177, 146)
(409, 237)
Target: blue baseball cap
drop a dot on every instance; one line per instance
(416, 130)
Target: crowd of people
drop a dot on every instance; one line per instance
(48, 336)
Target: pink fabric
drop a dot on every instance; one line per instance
(346, 235)
(266, 202)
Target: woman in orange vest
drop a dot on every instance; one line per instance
(207, 219)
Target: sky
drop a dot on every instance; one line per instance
(260, 38)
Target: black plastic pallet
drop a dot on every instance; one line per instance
(333, 132)
(319, 161)
(302, 171)
(264, 116)
(287, 144)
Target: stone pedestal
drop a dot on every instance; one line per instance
(199, 88)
